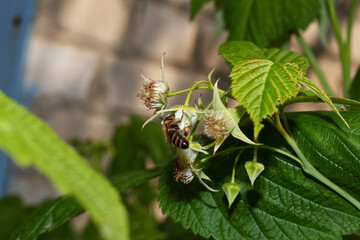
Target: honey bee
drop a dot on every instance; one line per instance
(173, 133)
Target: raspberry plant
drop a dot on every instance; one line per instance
(255, 172)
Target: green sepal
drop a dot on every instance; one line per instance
(231, 190)
(233, 115)
(254, 169)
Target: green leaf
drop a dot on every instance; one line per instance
(284, 203)
(261, 21)
(132, 144)
(236, 51)
(315, 89)
(282, 55)
(354, 90)
(31, 142)
(330, 146)
(260, 85)
(53, 214)
(196, 5)
(12, 214)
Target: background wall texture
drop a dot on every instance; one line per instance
(85, 59)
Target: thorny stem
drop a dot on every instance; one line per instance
(309, 168)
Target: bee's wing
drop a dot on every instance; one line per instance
(168, 139)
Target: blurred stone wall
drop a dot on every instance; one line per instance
(85, 58)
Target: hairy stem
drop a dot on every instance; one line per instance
(277, 150)
(171, 94)
(234, 167)
(316, 99)
(187, 100)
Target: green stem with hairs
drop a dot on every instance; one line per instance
(225, 151)
(255, 154)
(187, 100)
(175, 93)
(316, 99)
(234, 167)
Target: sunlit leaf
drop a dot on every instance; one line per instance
(53, 214)
(31, 142)
(260, 85)
(236, 51)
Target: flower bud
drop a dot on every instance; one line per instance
(254, 169)
(231, 191)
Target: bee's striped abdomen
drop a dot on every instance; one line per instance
(178, 139)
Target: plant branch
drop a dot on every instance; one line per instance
(316, 99)
(277, 150)
(314, 64)
(310, 169)
(344, 47)
(351, 21)
(187, 100)
(234, 167)
(171, 94)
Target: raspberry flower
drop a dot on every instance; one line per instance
(216, 125)
(185, 171)
(182, 167)
(221, 122)
(154, 93)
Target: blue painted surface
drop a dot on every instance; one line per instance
(16, 19)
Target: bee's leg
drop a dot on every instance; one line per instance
(174, 126)
(186, 131)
